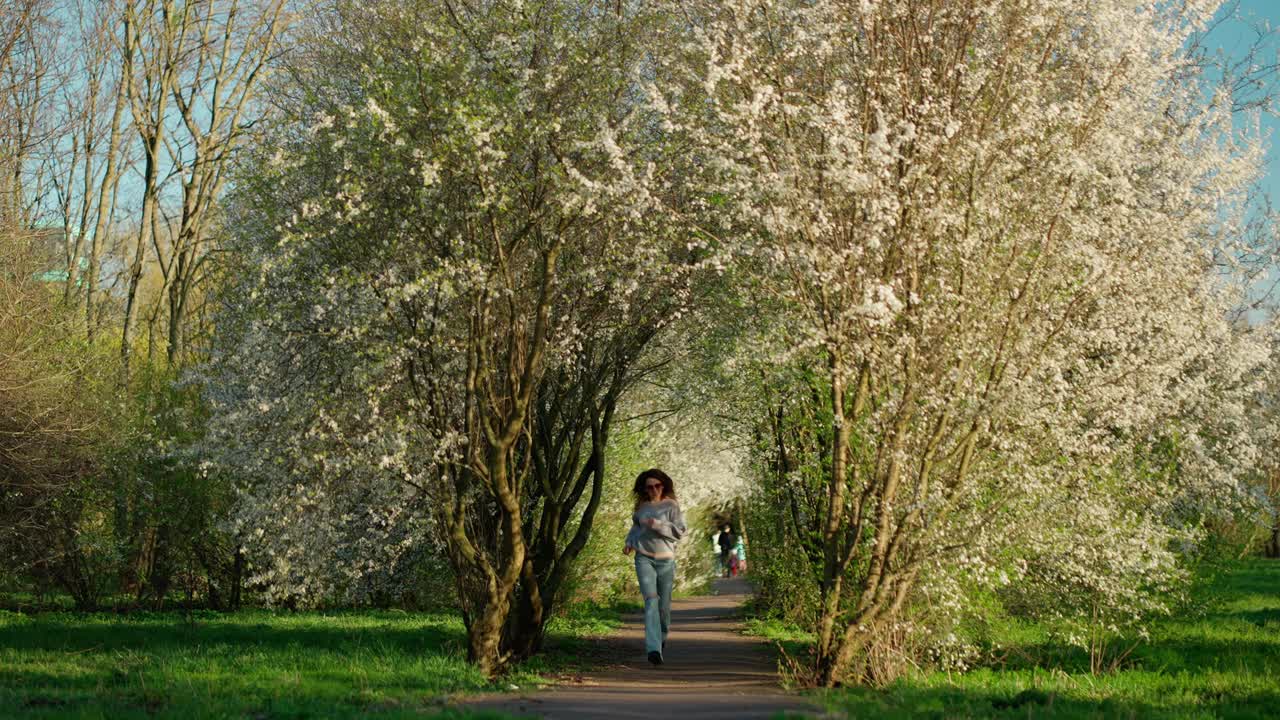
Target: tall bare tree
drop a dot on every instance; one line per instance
(214, 98)
(155, 33)
(191, 71)
(85, 155)
(24, 92)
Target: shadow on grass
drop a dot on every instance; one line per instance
(163, 633)
(1261, 618)
(389, 632)
(1253, 576)
(572, 641)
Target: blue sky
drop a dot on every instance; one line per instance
(1234, 38)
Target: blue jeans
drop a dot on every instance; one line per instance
(656, 578)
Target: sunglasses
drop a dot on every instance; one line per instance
(653, 485)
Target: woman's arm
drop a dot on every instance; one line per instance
(633, 537)
(673, 527)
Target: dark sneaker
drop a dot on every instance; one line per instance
(655, 657)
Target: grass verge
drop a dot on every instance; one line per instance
(1223, 663)
(259, 664)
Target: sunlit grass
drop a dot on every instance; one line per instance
(255, 664)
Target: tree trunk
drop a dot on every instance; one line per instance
(832, 577)
(484, 637)
(107, 193)
(237, 579)
(526, 625)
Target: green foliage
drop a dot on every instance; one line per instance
(791, 466)
(697, 565)
(101, 498)
(602, 574)
(782, 574)
(168, 511)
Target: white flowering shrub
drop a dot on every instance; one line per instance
(989, 230)
(451, 267)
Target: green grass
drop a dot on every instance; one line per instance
(257, 663)
(1222, 663)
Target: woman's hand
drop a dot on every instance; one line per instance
(651, 522)
(626, 550)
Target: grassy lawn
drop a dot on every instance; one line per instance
(255, 663)
(1224, 663)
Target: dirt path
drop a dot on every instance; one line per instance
(711, 672)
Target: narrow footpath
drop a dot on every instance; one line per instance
(711, 672)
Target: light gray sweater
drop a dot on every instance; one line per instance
(658, 541)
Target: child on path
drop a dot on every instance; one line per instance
(727, 540)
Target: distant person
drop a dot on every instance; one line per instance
(739, 558)
(727, 541)
(656, 525)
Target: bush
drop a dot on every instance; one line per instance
(55, 420)
(100, 496)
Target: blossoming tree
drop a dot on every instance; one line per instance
(990, 224)
(449, 275)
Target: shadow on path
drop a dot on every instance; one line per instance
(711, 672)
